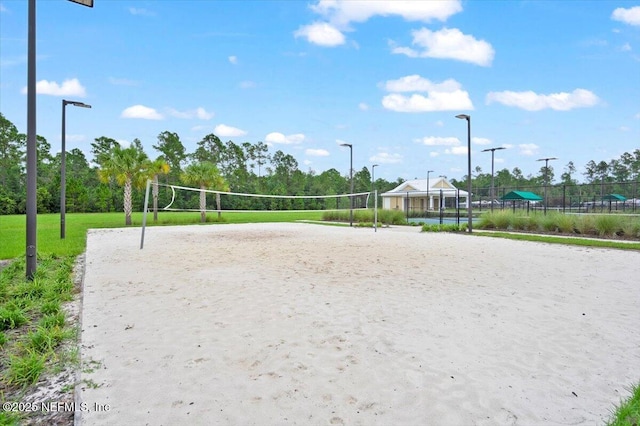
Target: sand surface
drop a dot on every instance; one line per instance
(276, 324)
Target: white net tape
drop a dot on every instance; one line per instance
(308, 202)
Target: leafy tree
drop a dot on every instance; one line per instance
(128, 167)
(156, 168)
(101, 149)
(173, 151)
(205, 175)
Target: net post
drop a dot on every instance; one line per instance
(375, 210)
(144, 213)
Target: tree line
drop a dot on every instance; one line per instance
(113, 179)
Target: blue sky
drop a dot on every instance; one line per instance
(542, 78)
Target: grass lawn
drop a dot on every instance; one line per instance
(13, 228)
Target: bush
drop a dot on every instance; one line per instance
(607, 225)
(585, 225)
(566, 223)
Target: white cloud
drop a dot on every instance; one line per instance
(439, 123)
(456, 150)
(342, 12)
(448, 43)
(498, 160)
(416, 83)
(445, 96)
(141, 111)
(626, 47)
(228, 131)
(433, 154)
(435, 101)
(247, 84)
(199, 113)
(321, 33)
(531, 101)
(2, 8)
(140, 11)
(637, 116)
(624, 129)
(233, 59)
(277, 137)
(68, 88)
(629, 16)
(317, 152)
(363, 106)
(386, 158)
(339, 14)
(439, 141)
(528, 148)
(480, 141)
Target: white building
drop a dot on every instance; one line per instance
(414, 195)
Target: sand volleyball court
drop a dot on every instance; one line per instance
(276, 324)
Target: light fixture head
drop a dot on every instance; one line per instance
(463, 116)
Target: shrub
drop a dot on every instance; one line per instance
(631, 228)
(502, 219)
(585, 225)
(607, 225)
(566, 223)
(519, 222)
(549, 223)
(486, 221)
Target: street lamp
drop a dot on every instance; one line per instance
(469, 214)
(32, 148)
(351, 179)
(373, 184)
(428, 197)
(63, 167)
(546, 178)
(493, 150)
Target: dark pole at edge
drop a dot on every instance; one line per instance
(32, 152)
(63, 177)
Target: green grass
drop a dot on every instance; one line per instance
(627, 413)
(13, 227)
(573, 241)
(32, 322)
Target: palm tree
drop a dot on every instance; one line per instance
(205, 175)
(127, 166)
(157, 167)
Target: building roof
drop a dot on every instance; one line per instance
(418, 187)
(521, 196)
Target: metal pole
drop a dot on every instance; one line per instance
(375, 212)
(144, 213)
(469, 212)
(493, 151)
(32, 151)
(351, 178)
(63, 177)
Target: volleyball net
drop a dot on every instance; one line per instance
(187, 199)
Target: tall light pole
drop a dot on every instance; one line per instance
(469, 214)
(32, 148)
(351, 179)
(546, 178)
(63, 166)
(373, 184)
(428, 197)
(493, 150)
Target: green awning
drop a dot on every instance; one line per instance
(614, 197)
(521, 196)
